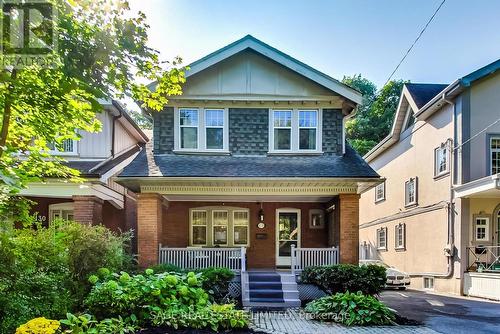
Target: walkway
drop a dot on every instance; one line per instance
(295, 321)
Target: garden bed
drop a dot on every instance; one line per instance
(167, 330)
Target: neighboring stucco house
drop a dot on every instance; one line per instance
(98, 156)
(251, 156)
(437, 214)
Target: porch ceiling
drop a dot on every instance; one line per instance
(227, 189)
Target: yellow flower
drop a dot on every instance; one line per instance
(39, 326)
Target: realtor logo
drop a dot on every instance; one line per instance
(28, 34)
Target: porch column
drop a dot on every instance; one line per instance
(149, 227)
(349, 228)
(87, 209)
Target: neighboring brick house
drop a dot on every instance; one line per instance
(253, 155)
(437, 215)
(98, 157)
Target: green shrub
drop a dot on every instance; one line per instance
(215, 317)
(138, 295)
(351, 309)
(87, 324)
(215, 281)
(370, 279)
(44, 270)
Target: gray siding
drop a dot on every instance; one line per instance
(248, 131)
(332, 131)
(163, 131)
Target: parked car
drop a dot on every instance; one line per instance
(395, 278)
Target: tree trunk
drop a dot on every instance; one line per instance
(7, 112)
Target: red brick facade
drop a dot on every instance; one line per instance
(349, 228)
(88, 210)
(150, 210)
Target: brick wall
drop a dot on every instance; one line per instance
(248, 131)
(150, 209)
(88, 209)
(332, 131)
(349, 228)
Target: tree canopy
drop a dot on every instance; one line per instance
(374, 117)
(101, 53)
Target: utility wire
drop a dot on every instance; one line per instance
(416, 40)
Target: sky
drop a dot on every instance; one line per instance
(337, 37)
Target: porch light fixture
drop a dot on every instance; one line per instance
(261, 213)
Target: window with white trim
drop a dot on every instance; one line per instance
(295, 131)
(201, 129)
(441, 165)
(219, 226)
(482, 229)
(411, 191)
(495, 155)
(61, 211)
(198, 227)
(400, 236)
(67, 147)
(240, 227)
(382, 238)
(380, 192)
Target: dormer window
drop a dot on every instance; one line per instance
(295, 131)
(67, 147)
(409, 119)
(201, 130)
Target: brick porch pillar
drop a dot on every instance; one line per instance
(149, 227)
(349, 228)
(87, 209)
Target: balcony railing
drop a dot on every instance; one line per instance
(483, 258)
(311, 257)
(201, 258)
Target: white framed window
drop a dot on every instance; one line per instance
(61, 211)
(409, 118)
(400, 236)
(382, 238)
(201, 130)
(441, 164)
(482, 229)
(428, 283)
(495, 155)
(67, 147)
(219, 227)
(198, 227)
(411, 192)
(380, 192)
(240, 227)
(295, 131)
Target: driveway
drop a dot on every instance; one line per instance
(446, 314)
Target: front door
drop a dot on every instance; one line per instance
(287, 234)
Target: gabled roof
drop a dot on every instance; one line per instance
(250, 42)
(422, 93)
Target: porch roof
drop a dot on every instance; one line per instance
(485, 187)
(349, 165)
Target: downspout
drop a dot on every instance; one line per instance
(449, 250)
(115, 118)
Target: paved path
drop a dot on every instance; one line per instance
(296, 321)
(446, 313)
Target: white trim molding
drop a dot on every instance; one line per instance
(485, 187)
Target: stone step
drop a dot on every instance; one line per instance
(265, 294)
(264, 277)
(273, 305)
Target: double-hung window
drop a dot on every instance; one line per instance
(400, 236)
(201, 129)
(219, 227)
(411, 191)
(382, 238)
(495, 155)
(240, 227)
(380, 192)
(198, 227)
(441, 165)
(67, 147)
(482, 229)
(295, 131)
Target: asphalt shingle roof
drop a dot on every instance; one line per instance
(350, 165)
(423, 93)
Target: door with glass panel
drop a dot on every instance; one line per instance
(287, 234)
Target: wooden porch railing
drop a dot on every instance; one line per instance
(311, 257)
(201, 258)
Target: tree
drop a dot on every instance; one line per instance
(374, 117)
(101, 53)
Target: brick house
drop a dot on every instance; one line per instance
(252, 156)
(98, 157)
